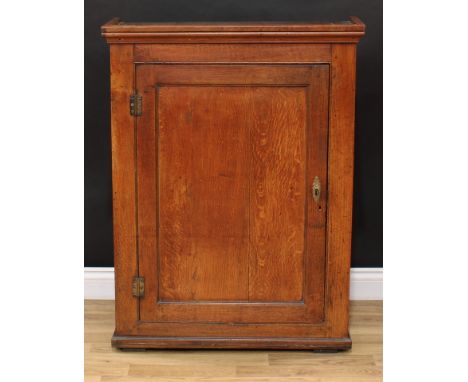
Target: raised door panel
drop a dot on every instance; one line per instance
(277, 193)
(203, 193)
(228, 230)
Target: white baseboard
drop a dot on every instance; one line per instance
(99, 283)
(366, 283)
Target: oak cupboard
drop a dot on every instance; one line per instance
(232, 160)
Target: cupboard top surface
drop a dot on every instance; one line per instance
(117, 31)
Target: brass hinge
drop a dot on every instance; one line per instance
(135, 104)
(138, 286)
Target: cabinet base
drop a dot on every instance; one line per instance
(139, 342)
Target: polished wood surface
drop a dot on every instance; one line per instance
(340, 193)
(213, 198)
(230, 184)
(204, 195)
(354, 24)
(361, 364)
(123, 185)
(228, 53)
(117, 32)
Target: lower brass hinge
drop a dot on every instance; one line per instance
(138, 286)
(135, 104)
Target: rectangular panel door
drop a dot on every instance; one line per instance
(227, 158)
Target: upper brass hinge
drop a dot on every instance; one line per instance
(135, 104)
(138, 286)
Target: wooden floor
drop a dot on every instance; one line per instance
(361, 364)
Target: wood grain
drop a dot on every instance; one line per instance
(123, 185)
(229, 182)
(212, 196)
(294, 343)
(354, 24)
(236, 75)
(316, 213)
(340, 171)
(277, 194)
(231, 53)
(362, 363)
(119, 32)
(147, 192)
(203, 193)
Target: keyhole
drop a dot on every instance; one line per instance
(316, 192)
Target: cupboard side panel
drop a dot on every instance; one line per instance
(123, 186)
(340, 172)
